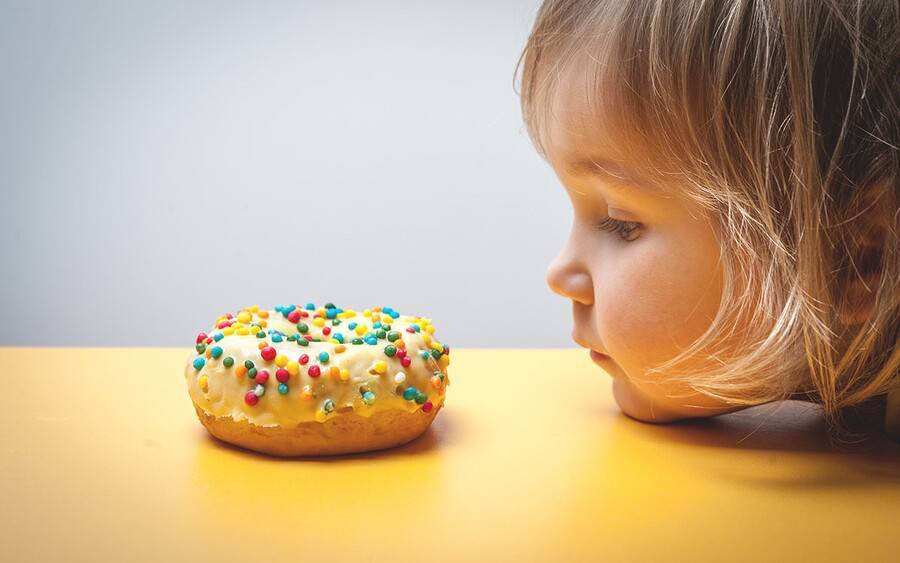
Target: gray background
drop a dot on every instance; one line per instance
(164, 162)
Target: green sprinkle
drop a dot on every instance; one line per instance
(261, 334)
(228, 361)
(390, 350)
(201, 347)
(251, 373)
(380, 334)
(421, 398)
(303, 328)
(248, 364)
(393, 336)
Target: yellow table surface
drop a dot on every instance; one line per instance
(103, 459)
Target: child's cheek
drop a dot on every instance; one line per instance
(658, 302)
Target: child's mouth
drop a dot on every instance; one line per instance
(600, 358)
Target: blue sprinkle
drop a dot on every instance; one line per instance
(415, 328)
(377, 325)
(218, 336)
(338, 336)
(283, 388)
(351, 326)
(394, 314)
(371, 339)
(310, 307)
(276, 338)
(330, 313)
(199, 362)
(425, 355)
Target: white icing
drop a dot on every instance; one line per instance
(225, 390)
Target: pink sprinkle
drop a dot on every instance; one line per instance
(405, 361)
(326, 330)
(262, 376)
(268, 353)
(282, 375)
(250, 398)
(427, 406)
(294, 316)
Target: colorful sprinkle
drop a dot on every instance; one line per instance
(390, 350)
(199, 363)
(368, 397)
(203, 382)
(268, 353)
(427, 406)
(216, 351)
(314, 371)
(250, 398)
(282, 388)
(410, 393)
(228, 361)
(323, 357)
(282, 375)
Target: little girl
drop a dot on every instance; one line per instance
(733, 170)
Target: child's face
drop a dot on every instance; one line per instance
(641, 290)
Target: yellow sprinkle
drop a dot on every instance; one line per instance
(321, 416)
(203, 382)
(227, 331)
(379, 367)
(281, 360)
(263, 314)
(253, 309)
(345, 374)
(245, 317)
(429, 329)
(426, 338)
(319, 321)
(339, 348)
(444, 361)
(242, 331)
(366, 313)
(293, 367)
(360, 329)
(435, 345)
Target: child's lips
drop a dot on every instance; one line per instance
(600, 358)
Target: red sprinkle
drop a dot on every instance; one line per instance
(326, 330)
(401, 353)
(304, 359)
(314, 371)
(268, 353)
(262, 376)
(294, 316)
(282, 375)
(405, 361)
(250, 398)
(409, 329)
(427, 406)
(201, 337)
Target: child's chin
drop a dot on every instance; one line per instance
(639, 406)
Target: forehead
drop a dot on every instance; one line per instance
(582, 136)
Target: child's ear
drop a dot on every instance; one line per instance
(865, 249)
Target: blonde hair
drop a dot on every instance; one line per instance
(780, 118)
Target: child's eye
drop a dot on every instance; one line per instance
(625, 229)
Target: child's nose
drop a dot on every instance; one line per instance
(569, 278)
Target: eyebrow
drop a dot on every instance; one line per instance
(606, 169)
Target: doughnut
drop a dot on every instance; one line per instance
(307, 381)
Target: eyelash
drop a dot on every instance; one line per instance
(622, 228)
